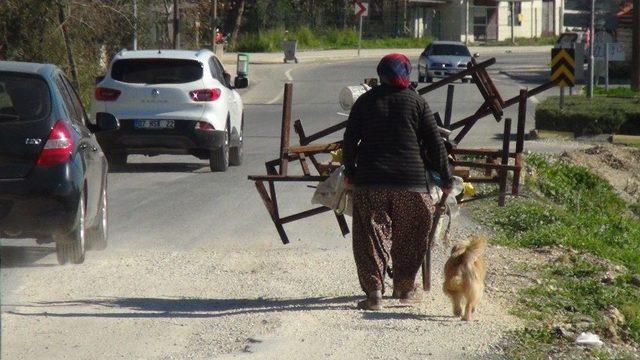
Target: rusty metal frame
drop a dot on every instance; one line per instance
(278, 169)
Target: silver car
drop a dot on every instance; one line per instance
(443, 58)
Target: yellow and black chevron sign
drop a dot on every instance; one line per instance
(563, 65)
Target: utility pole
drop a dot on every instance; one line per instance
(592, 38)
(176, 25)
(635, 61)
(513, 20)
(466, 23)
(135, 25)
(213, 16)
(360, 35)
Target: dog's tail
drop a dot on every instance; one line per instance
(474, 251)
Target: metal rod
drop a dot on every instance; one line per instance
(325, 132)
(286, 128)
(449, 108)
(522, 118)
(304, 214)
(456, 77)
(505, 161)
(472, 164)
(482, 112)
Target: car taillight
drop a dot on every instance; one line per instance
(205, 94)
(59, 146)
(106, 94)
(201, 125)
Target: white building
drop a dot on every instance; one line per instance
(491, 20)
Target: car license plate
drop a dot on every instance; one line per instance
(154, 124)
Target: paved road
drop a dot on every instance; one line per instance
(175, 203)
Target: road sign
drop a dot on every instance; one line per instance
(361, 8)
(563, 67)
(616, 51)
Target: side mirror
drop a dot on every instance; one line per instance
(99, 79)
(227, 78)
(107, 122)
(476, 55)
(241, 82)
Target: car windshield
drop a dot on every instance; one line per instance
(23, 97)
(156, 71)
(451, 50)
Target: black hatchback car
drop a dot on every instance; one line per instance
(53, 174)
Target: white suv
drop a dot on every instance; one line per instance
(170, 102)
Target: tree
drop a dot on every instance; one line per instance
(635, 62)
(62, 20)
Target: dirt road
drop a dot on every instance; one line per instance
(286, 303)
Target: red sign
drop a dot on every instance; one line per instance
(361, 10)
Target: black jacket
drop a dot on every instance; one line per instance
(391, 139)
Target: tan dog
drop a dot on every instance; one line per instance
(464, 275)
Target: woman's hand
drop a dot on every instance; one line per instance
(446, 189)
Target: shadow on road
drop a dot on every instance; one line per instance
(24, 256)
(513, 136)
(535, 77)
(191, 308)
(160, 168)
(207, 308)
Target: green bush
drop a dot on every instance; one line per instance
(584, 116)
(330, 39)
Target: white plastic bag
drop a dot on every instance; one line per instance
(332, 193)
(453, 209)
(590, 339)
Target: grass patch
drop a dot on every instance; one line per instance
(584, 116)
(618, 92)
(571, 207)
(330, 39)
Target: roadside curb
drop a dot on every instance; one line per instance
(351, 54)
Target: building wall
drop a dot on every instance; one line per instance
(532, 20)
(453, 27)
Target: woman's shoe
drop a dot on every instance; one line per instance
(372, 302)
(408, 297)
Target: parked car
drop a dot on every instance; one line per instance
(170, 102)
(53, 174)
(443, 58)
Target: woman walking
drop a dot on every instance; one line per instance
(391, 138)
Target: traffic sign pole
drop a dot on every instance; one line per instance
(360, 36)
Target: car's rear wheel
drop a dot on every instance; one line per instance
(97, 235)
(236, 153)
(429, 79)
(219, 158)
(71, 247)
(465, 80)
